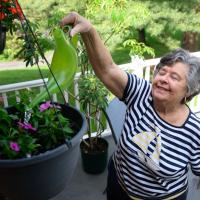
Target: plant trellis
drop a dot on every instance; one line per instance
(64, 63)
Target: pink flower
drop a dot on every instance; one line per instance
(14, 146)
(45, 106)
(27, 126)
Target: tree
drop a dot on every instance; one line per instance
(165, 18)
(190, 25)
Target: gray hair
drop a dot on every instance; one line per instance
(193, 76)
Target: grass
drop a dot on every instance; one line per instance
(20, 74)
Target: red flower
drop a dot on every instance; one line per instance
(2, 15)
(15, 10)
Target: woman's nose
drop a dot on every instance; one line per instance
(164, 79)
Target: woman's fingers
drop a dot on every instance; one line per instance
(71, 18)
(77, 29)
(79, 23)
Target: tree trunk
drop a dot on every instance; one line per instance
(141, 35)
(190, 41)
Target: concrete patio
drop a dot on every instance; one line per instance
(85, 186)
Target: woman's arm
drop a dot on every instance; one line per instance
(106, 70)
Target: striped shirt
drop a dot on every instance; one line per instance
(153, 156)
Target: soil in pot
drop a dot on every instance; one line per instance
(94, 160)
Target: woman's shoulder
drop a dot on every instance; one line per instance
(137, 78)
(195, 115)
(194, 119)
(137, 88)
(137, 83)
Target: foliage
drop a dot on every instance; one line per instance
(92, 97)
(26, 133)
(12, 46)
(92, 92)
(163, 19)
(114, 21)
(29, 50)
(32, 46)
(11, 11)
(110, 18)
(138, 48)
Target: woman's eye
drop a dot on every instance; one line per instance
(174, 77)
(161, 72)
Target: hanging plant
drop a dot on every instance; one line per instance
(9, 11)
(2, 38)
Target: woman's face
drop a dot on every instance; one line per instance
(170, 83)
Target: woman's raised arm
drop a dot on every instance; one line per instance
(104, 67)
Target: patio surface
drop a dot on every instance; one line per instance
(85, 186)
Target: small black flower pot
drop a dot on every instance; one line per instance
(43, 176)
(2, 38)
(94, 161)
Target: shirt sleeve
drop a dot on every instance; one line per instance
(135, 88)
(195, 162)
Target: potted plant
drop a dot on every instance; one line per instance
(93, 99)
(9, 11)
(39, 145)
(38, 152)
(39, 141)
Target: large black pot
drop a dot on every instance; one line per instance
(45, 175)
(2, 38)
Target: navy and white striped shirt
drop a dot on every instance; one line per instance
(153, 156)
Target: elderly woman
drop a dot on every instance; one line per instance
(161, 135)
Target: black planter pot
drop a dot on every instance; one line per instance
(45, 175)
(94, 162)
(2, 38)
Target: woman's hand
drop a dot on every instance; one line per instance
(79, 23)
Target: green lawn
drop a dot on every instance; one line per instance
(21, 74)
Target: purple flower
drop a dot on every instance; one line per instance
(45, 106)
(14, 146)
(27, 126)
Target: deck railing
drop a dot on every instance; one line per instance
(144, 70)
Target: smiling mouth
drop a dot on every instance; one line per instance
(162, 88)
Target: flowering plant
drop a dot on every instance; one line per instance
(9, 11)
(24, 134)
